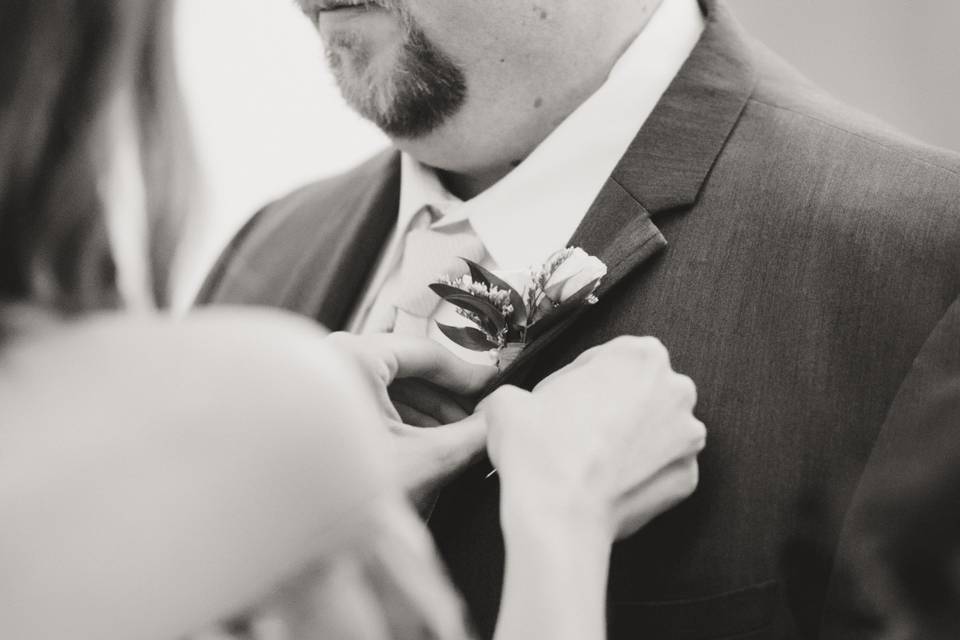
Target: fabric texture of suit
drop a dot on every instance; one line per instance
(812, 253)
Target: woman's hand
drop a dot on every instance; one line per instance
(418, 382)
(610, 439)
(595, 452)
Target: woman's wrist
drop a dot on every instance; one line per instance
(556, 573)
(525, 506)
(530, 513)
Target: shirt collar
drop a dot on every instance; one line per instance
(537, 207)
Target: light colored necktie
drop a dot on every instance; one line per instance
(427, 255)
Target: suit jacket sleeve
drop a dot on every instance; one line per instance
(213, 283)
(908, 494)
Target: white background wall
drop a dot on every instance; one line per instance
(898, 59)
(267, 117)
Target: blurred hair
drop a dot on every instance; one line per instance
(63, 61)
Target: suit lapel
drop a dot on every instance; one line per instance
(619, 231)
(666, 165)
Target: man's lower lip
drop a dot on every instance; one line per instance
(347, 13)
(359, 8)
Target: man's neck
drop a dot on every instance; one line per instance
(500, 151)
(469, 185)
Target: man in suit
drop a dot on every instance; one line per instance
(793, 255)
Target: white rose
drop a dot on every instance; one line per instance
(576, 272)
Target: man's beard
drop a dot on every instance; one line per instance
(422, 90)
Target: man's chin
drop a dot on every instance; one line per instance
(363, 54)
(377, 28)
(396, 78)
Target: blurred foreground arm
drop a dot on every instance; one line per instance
(158, 476)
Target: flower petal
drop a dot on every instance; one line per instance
(581, 297)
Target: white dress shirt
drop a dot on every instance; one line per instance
(535, 209)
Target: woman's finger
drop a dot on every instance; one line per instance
(408, 357)
(426, 398)
(413, 417)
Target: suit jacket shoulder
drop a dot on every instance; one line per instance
(782, 87)
(844, 182)
(268, 261)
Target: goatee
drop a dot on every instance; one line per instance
(415, 97)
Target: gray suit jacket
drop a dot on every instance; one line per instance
(813, 255)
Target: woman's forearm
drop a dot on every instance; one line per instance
(556, 575)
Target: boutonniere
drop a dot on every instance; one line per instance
(503, 316)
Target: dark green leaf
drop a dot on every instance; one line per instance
(481, 307)
(480, 274)
(445, 290)
(468, 337)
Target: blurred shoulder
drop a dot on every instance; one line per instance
(219, 368)
(125, 337)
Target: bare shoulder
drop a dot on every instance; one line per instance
(219, 368)
(200, 461)
(208, 341)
